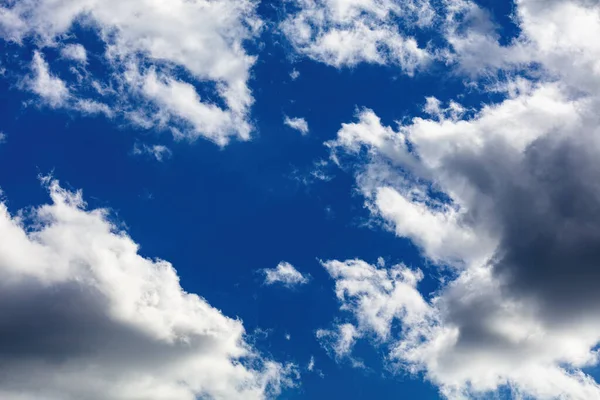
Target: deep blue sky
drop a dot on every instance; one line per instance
(221, 214)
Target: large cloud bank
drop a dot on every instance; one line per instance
(506, 197)
(84, 315)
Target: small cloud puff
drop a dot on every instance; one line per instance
(75, 52)
(157, 151)
(286, 274)
(298, 124)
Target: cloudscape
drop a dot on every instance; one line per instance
(299, 199)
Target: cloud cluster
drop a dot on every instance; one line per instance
(85, 316)
(505, 196)
(345, 33)
(147, 46)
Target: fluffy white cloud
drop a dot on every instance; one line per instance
(298, 124)
(46, 85)
(202, 37)
(84, 315)
(375, 297)
(284, 274)
(75, 52)
(347, 32)
(505, 196)
(339, 341)
(470, 339)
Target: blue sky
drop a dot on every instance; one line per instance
(439, 166)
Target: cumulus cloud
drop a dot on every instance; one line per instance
(284, 274)
(84, 315)
(145, 45)
(345, 33)
(298, 124)
(506, 197)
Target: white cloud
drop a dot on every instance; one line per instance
(345, 33)
(504, 345)
(311, 364)
(91, 107)
(505, 196)
(375, 296)
(285, 274)
(295, 74)
(158, 151)
(298, 124)
(42, 82)
(75, 52)
(339, 341)
(86, 316)
(203, 37)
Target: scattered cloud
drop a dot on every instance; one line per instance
(345, 33)
(285, 274)
(143, 45)
(311, 364)
(75, 52)
(42, 82)
(86, 316)
(158, 151)
(295, 74)
(298, 124)
(338, 341)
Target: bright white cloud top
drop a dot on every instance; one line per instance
(85, 316)
(144, 40)
(284, 274)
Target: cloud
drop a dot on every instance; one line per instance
(311, 364)
(295, 74)
(158, 151)
(154, 59)
(339, 341)
(285, 274)
(345, 33)
(75, 52)
(504, 196)
(50, 88)
(298, 124)
(84, 315)
(470, 339)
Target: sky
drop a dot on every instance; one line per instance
(299, 199)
